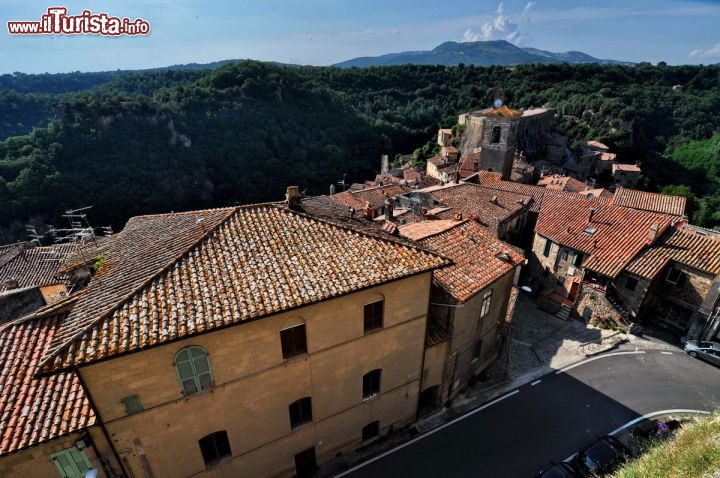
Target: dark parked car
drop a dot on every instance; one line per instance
(708, 351)
(601, 457)
(560, 470)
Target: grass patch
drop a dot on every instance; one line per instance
(695, 452)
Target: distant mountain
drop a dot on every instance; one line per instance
(481, 53)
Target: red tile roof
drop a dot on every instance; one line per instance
(562, 183)
(699, 251)
(469, 164)
(537, 193)
(374, 195)
(174, 276)
(646, 201)
(34, 266)
(36, 410)
(488, 205)
(620, 233)
(477, 255)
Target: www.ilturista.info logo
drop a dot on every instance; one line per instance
(58, 22)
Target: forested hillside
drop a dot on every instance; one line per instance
(163, 140)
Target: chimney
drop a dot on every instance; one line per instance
(292, 197)
(388, 209)
(351, 212)
(332, 189)
(653, 232)
(11, 284)
(368, 211)
(494, 200)
(384, 164)
(592, 213)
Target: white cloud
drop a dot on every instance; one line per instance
(502, 27)
(528, 7)
(713, 52)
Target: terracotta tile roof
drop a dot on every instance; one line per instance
(239, 264)
(537, 193)
(626, 167)
(34, 266)
(597, 145)
(469, 164)
(608, 156)
(376, 196)
(683, 246)
(562, 183)
(437, 161)
(472, 199)
(620, 233)
(422, 229)
(36, 410)
(674, 205)
(484, 178)
(475, 253)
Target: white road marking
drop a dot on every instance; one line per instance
(655, 414)
(535, 383)
(596, 358)
(425, 435)
(666, 353)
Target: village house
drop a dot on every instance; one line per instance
(626, 259)
(251, 312)
(47, 426)
(626, 175)
(441, 168)
(470, 304)
(31, 277)
(369, 201)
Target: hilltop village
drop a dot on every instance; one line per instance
(268, 339)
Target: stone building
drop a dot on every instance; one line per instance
(468, 304)
(501, 132)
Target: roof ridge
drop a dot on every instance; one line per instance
(347, 227)
(44, 362)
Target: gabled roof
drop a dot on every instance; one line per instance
(646, 201)
(616, 235)
(374, 195)
(479, 258)
(562, 183)
(174, 276)
(489, 205)
(33, 266)
(469, 164)
(684, 246)
(36, 410)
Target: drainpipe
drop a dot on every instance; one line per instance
(101, 424)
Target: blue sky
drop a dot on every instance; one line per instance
(322, 32)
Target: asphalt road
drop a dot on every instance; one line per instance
(518, 434)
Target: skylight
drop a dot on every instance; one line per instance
(590, 230)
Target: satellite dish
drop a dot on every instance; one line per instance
(497, 103)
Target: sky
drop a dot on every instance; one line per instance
(323, 32)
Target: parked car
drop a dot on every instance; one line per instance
(602, 456)
(708, 351)
(560, 470)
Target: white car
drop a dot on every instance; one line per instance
(708, 351)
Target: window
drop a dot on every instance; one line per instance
(371, 430)
(577, 260)
(496, 132)
(564, 255)
(371, 383)
(214, 447)
(71, 463)
(546, 249)
(631, 283)
(300, 412)
(477, 349)
(373, 316)
(675, 276)
(487, 299)
(193, 369)
(294, 341)
(132, 404)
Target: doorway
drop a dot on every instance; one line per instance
(306, 463)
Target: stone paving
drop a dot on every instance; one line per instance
(537, 344)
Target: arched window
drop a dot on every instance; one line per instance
(193, 369)
(496, 131)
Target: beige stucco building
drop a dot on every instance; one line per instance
(252, 341)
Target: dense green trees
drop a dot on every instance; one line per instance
(140, 142)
